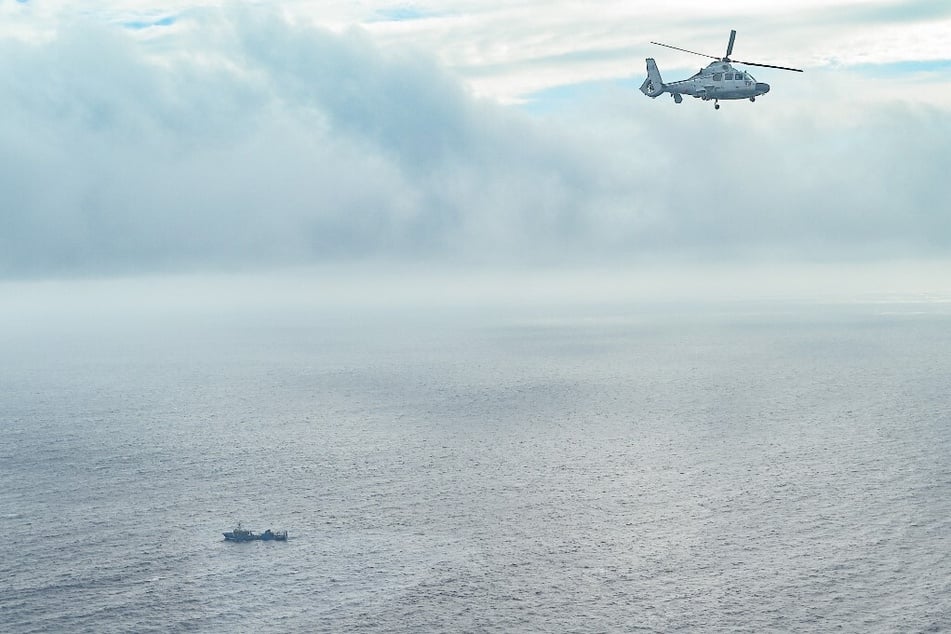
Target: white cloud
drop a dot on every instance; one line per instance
(509, 50)
(243, 139)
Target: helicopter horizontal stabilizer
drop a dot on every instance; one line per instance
(653, 86)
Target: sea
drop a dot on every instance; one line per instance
(738, 467)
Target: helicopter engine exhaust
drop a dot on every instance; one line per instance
(653, 86)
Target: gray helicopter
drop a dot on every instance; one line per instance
(719, 80)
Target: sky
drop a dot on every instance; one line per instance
(142, 138)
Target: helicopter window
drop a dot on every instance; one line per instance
(728, 77)
(717, 76)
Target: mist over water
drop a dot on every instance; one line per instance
(490, 333)
(745, 466)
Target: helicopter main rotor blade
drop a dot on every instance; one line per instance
(677, 48)
(798, 70)
(729, 47)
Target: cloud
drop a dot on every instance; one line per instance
(244, 140)
(147, 24)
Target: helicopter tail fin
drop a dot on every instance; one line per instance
(653, 86)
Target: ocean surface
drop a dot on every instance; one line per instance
(719, 469)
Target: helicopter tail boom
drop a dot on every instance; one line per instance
(653, 86)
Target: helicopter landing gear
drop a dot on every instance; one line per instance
(752, 99)
(677, 97)
(716, 106)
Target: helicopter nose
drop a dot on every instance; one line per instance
(762, 88)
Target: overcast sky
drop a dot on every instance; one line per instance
(150, 137)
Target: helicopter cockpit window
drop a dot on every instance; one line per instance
(717, 76)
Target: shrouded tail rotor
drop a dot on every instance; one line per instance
(653, 86)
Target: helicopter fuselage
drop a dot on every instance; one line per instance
(718, 80)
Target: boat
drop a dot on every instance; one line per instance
(240, 534)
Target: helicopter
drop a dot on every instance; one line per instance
(718, 80)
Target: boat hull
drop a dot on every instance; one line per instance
(248, 536)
